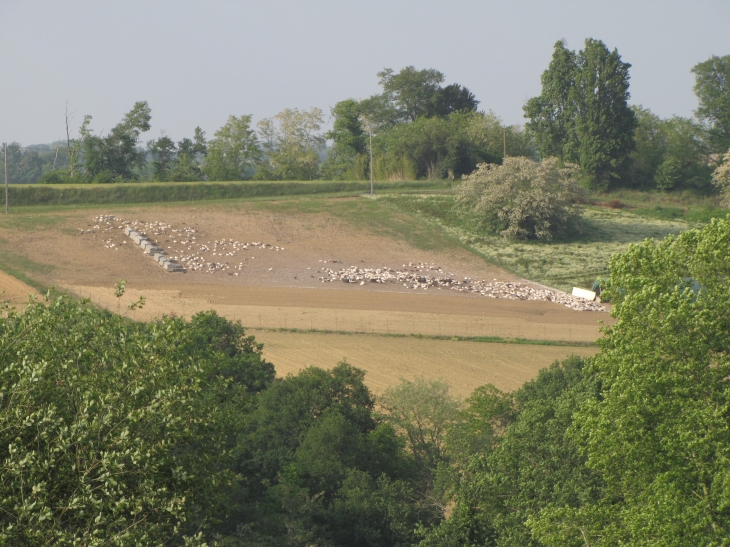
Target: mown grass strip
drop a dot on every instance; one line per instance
(80, 194)
(483, 339)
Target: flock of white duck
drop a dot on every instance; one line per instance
(429, 276)
(186, 248)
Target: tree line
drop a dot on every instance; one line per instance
(422, 128)
(114, 432)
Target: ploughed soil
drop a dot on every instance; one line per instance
(269, 288)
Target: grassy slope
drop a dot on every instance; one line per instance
(685, 205)
(576, 262)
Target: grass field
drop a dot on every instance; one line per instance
(564, 264)
(386, 360)
(157, 192)
(686, 205)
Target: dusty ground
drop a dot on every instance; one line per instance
(386, 360)
(355, 309)
(68, 249)
(74, 258)
(13, 291)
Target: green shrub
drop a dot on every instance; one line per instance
(523, 199)
(53, 177)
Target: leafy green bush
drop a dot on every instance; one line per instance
(523, 199)
(53, 177)
(117, 433)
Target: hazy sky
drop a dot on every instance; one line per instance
(198, 62)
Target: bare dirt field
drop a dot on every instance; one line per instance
(386, 360)
(260, 262)
(359, 310)
(69, 256)
(13, 291)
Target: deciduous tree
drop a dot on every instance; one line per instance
(115, 157)
(234, 152)
(119, 433)
(582, 115)
(712, 87)
(292, 144)
(552, 114)
(658, 430)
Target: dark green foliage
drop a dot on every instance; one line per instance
(452, 98)
(347, 129)
(422, 130)
(322, 467)
(28, 165)
(177, 162)
(670, 154)
(53, 177)
(435, 147)
(350, 143)
(114, 157)
(162, 151)
(552, 114)
(115, 432)
(604, 123)
(411, 92)
(582, 115)
(524, 463)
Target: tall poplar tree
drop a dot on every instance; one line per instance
(604, 122)
(712, 87)
(582, 114)
(552, 114)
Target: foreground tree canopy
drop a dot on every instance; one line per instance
(115, 433)
(629, 448)
(174, 432)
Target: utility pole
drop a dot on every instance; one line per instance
(54, 159)
(6, 178)
(504, 137)
(364, 119)
(71, 160)
(371, 160)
